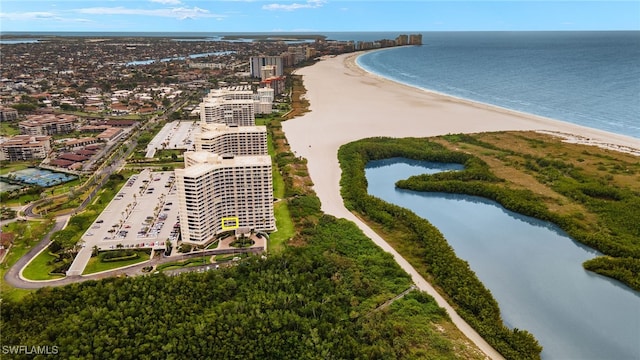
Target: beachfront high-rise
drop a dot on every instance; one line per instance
(219, 193)
(256, 63)
(218, 110)
(236, 105)
(231, 139)
(264, 98)
(415, 39)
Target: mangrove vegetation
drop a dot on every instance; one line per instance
(591, 193)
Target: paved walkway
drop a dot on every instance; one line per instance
(423, 285)
(397, 297)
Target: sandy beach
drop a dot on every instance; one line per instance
(348, 103)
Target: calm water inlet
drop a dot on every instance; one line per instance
(533, 269)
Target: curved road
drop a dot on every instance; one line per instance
(13, 275)
(13, 278)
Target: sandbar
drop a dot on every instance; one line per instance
(348, 103)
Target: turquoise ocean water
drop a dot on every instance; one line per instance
(587, 78)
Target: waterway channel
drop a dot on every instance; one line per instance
(532, 268)
(193, 56)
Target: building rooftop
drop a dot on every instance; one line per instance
(215, 128)
(202, 162)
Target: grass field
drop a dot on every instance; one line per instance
(7, 292)
(95, 265)
(8, 167)
(27, 235)
(278, 239)
(185, 263)
(9, 129)
(213, 245)
(39, 268)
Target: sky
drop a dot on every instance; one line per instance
(315, 15)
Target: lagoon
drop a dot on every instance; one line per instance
(193, 56)
(18, 41)
(532, 268)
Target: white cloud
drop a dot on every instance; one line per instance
(180, 13)
(26, 16)
(310, 4)
(38, 16)
(167, 2)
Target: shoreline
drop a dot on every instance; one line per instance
(626, 144)
(348, 103)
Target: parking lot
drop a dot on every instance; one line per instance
(142, 215)
(174, 135)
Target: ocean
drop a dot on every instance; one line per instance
(590, 78)
(587, 78)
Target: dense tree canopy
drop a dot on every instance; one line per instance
(314, 302)
(589, 193)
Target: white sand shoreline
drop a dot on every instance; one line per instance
(348, 103)
(625, 144)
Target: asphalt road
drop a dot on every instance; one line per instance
(13, 278)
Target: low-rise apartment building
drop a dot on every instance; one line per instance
(8, 114)
(48, 124)
(25, 147)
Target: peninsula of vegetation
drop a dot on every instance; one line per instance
(582, 177)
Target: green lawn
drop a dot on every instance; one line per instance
(7, 292)
(95, 265)
(8, 167)
(227, 257)
(21, 200)
(27, 235)
(281, 209)
(213, 245)
(278, 183)
(127, 117)
(185, 263)
(39, 269)
(9, 128)
(66, 187)
(278, 239)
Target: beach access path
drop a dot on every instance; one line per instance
(348, 104)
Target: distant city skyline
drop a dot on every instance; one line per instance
(315, 15)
